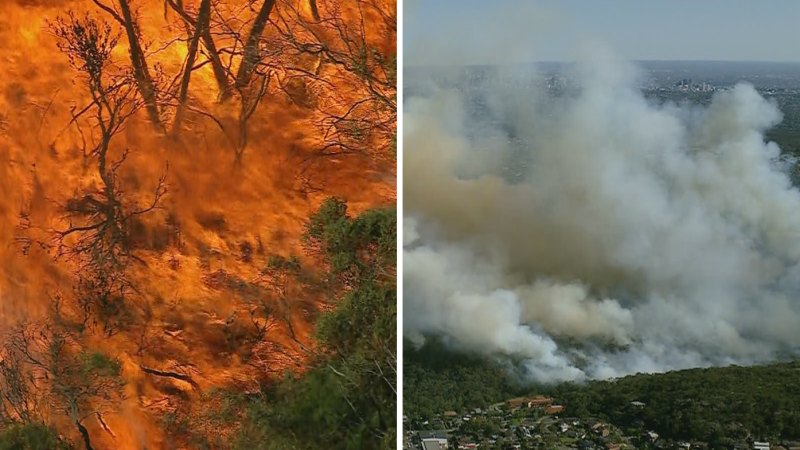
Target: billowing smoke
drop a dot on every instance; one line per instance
(597, 233)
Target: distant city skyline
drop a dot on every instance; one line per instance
(445, 32)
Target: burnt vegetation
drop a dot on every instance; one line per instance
(45, 370)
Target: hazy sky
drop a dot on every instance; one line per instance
(498, 31)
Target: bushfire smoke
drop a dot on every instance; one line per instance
(633, 237)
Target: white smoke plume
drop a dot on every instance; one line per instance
(637, 237)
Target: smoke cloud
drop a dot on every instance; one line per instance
(597, 233)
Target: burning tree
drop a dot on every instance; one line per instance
(336, 57)
(200, 25)
(45, 370)
(354, 45)
(201, 29)
(88, 44)
(251, 78)
(99, 221)
(340, 54)
(19, 401)
(140, 70)
(251, 49)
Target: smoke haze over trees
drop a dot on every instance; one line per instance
(596, 234)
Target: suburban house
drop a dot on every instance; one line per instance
(525, 402)
(433, 440)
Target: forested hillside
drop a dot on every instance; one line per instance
(714, 405)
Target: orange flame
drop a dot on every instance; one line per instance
(199, 256)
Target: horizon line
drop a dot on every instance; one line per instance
(573, 61)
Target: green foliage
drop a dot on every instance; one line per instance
(698, 404)
(306, 413)
(31, 436)
(370, 310)
(481, 426)
(389, 66)
(365, 243)
(714, 405)
(100, 364)
(347, 398)
(84, 381)
(360, 64)
(281, 263)
(437, 379)
(330, 216)
(174, 423)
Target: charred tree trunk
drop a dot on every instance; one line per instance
(203, 17)
(116, 235)
(220, 74)
(84, 435)
(252, 55)
(140, 71)
(314, 11)
(216, 63)
(251, 97)
(175, 375)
